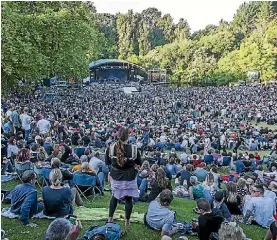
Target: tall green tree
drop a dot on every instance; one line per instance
(126, 25)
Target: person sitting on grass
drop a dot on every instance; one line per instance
(160, 183)
(201, 173)
(196, 191)
(208, 222)
(260, 208)
(219, 205)
(24, 200)
(62, 229)
(59, 200)
(231, 231)
(185, 174)
(158, 216)
(56, 164)
(232, 199)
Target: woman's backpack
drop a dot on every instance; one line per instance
(110, 231)
(198, 192)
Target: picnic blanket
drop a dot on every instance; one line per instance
(87, 214)
(7, 178)
(8, 214)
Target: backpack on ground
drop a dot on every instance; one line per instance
(110, 231)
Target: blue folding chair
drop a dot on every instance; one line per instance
(169, 146)
(20, 168)
(226, 161)
(79, 151)
(178, 147)
(43, 174)
(81, 180)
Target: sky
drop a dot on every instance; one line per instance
(199, 13)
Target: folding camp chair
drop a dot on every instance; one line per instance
(20, 168)
(42, 174)
(85, 181)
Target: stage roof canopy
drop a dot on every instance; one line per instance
(117, 62)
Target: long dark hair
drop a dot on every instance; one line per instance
(122, 136)
(160, 178)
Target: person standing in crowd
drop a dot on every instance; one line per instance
(26, 123)
(123, 157)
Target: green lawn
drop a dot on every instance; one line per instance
(15, 230)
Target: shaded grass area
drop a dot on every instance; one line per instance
(16, 230)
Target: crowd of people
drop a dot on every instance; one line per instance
(150, 146)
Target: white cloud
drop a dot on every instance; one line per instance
(198, 13)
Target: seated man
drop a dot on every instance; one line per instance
(208, 221)
(261, 208)
(158, 216)
(24, 200)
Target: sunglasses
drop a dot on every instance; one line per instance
(255, 191)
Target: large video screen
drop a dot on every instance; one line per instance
(112, 74)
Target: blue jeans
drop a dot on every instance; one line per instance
(143, 187)
(27, 134)
(101, 177)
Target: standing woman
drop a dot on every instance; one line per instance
(123, 157)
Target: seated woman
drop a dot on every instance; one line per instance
(12, 148)
(56, 164)
(196, 191)
(160, 183)
(232, 231)
(23, 155)
(58, 200)
(242, 189)
(209, 184)
(24, 198)
(100, 178)
(34, 153)
(232, 199)
(41, 158)
(83, 159)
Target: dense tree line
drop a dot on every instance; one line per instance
(44, 39)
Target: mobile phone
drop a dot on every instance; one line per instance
(72, 219)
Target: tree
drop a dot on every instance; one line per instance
(126, 25)
(182, 30)
(43, 40)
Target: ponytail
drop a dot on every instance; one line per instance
(119, 153)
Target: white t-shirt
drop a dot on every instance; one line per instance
(25, 120)
(43, 126)
(94, 163)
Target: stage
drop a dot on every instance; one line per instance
(110, 71)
